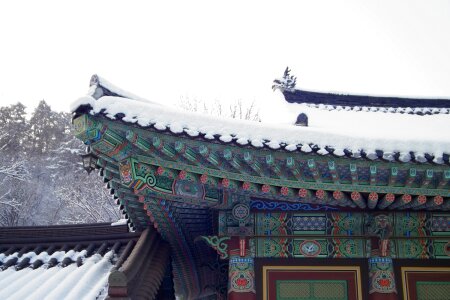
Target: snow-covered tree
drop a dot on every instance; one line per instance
(14, 128)
(42, 181)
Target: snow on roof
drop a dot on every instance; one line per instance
(87, 281)
(398, 136)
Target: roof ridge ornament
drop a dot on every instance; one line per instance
(287, 83)
(94, 80)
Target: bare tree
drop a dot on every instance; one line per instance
(14, 176)
(236, 110)
(85, 200)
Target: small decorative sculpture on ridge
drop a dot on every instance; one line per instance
(287, 83)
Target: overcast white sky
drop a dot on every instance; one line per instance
(163, 50)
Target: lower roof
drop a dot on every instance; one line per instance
(65, 262)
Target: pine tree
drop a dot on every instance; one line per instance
(46, 130)
(14, 128)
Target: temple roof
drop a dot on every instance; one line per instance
(369, 135)
(331, 101)
(68, 261)
(178, 170)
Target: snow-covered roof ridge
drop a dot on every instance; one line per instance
(333, 100)
(424, 140)
(386, 104)
(101, 87)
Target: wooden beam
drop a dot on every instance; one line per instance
(162, 147)
(435, 203)
(288, 192)
(207, 154)
(253, 163)
(417, 201)
(137, 141)
(314, 170)
(333, 172)
(372, 200)
(272, 164)
(230, 184)
(268, 189)
(393, 176)
(428, 177)
(387, 200)
(291, 165)
(411, 177)
(401, 202)
(251, 187)
(209, 180)
(335, 198)
(354, 173)
(342, 198)
(445, 179)
(373, 175)
(358, 199)
(186, 152)
(232, 160)
(305, 194)
(321, 197)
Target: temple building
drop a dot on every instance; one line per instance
(346, 197)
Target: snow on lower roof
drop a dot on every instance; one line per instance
(400, 136)
(87, 281)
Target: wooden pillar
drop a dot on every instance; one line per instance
(381, 271)
(382, 279)
(241, 271)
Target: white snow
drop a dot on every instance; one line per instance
(71, 282)
(338, 129)
(226, 138)
(119, 222)
(291, 147)
(176, 128)
(103, 82)
(242, 141)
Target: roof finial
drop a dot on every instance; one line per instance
(94, 80)
(287, 83)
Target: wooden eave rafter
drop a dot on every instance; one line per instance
(270, 173)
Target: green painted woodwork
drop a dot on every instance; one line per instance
(311, 289)
(276, 169)
(291, 183)
(433, 290)
(219, 244)
(173, 182)
(275, 234)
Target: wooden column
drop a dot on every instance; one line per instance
(382, 279)
(381, 271)
(241, 272)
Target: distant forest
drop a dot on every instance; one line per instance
(42, 181)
